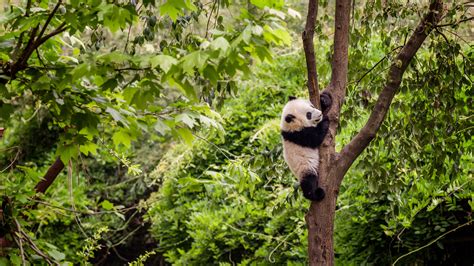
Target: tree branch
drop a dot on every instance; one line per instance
(455, 23)
(33, 43)
(341, 46)
(59, 29)
(50, 176)
(376, 64)
(352, 150)
(48, 20)
(307, 36)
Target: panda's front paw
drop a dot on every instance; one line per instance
(326, 101)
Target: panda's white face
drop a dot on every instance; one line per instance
(298, 114)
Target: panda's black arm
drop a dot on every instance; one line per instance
(320, 132)
(326, 101)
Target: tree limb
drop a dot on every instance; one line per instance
(33, 43)
(307, 36)
(455, 23)
(355, 147)
(48, 20)
(341, 46)
(50, 176)
(59, 29)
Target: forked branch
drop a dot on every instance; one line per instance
(355, 147)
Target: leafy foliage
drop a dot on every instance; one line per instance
(96, 77)
(215, 205)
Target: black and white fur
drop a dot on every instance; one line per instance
(303, 128)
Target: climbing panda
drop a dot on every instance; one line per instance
(303, 128)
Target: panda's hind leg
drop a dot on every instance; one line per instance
(311, 190)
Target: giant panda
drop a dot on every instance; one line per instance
(303, 128)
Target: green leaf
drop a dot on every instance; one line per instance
(116, 115)
(193, 60)
(89, 147)
(15, 259)
(175, 8)
(122, 137)
(164, 61)
(283, 35)
(222, 44)
(186, 135)
(269, 3)
(80, 71)
(161, 127)
(107, 205)
(67, 152)
(58, 256)
(186, 119)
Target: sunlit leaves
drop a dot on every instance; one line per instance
(197, 59)
(268, 3)
(175, 8)
(115, 17)
(165, 62)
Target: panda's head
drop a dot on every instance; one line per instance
(298, 114)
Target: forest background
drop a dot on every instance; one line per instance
(162, 120)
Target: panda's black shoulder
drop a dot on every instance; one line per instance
(304, 138)
(308, 137)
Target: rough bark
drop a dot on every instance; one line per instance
(308, 45)
(333, 166)
(320, 217)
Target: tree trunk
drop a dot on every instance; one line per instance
(320, 221)
(333, 166)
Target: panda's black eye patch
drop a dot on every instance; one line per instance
(308, 115)
(289, 118)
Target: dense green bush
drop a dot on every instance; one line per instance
(230, 199)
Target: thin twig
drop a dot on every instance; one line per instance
(454, 23)
(36, 249)
(83, 212)
(431, 242)
(19, 241)
(128, 38)
(376, 64)
(209, 19)
(308, 46)
(59, 29)
(12, 162)
(39, 57)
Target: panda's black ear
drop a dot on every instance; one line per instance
(291, 98)
(289, 118)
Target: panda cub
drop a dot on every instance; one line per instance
(303, 129)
